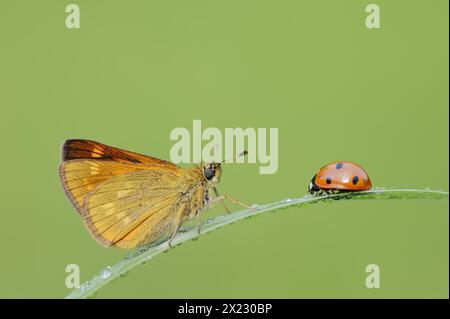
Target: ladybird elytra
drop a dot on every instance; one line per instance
(340, 176)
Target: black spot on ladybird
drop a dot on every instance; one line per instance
(355, 180)
(339, 165)
(328, 180)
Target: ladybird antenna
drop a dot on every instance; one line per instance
(235, 157)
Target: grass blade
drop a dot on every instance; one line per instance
(146, 253)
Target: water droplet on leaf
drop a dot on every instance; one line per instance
(106, 272)
(84, 286)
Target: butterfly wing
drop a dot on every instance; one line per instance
(127, 199)
(135, 208)
(87, 149)
(87, 164)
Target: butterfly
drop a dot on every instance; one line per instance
(128, 199)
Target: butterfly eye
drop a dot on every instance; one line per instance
(209, 173)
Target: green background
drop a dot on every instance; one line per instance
(335, 90)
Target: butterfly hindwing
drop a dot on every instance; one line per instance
(134, 209)
(80, 177)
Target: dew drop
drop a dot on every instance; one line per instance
(141, 251)
(84, 286)
(106, 272)
(287, 200)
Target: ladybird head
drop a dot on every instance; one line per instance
(312, 187)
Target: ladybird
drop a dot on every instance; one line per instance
(339, 176)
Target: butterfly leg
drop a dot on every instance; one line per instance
(177, 222)
(216, 192)
(231, 199)
(199, 223)
(174, 233)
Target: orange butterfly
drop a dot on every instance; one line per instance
(128, 199)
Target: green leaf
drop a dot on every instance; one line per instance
(145, 253)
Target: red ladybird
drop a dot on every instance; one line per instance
(340, 177)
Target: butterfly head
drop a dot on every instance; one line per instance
(212, 172)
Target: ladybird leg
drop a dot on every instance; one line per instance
(336, 192)
(317, 193)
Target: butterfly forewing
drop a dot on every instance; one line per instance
(86, 149)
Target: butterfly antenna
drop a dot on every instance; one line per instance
(237, 156)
